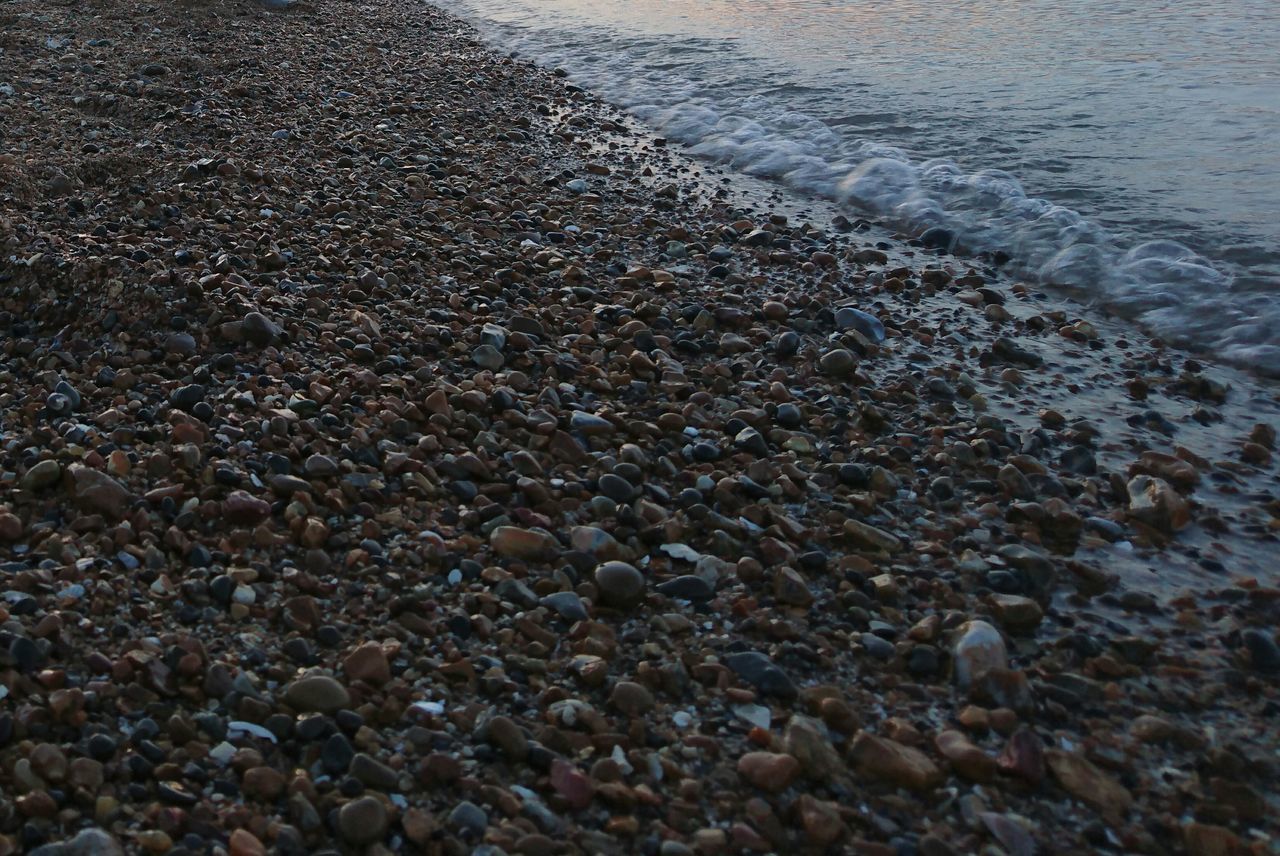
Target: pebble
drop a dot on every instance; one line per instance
(363, 820)
(621, 586)
(316, 693)
(596, 514)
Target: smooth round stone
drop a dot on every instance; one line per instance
(616, 488)
(317, 693)
(620, 585)
(468, 817)
(848, 318)
(363, 820)
(487, 357)
(838, 362)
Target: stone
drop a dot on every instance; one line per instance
(838, 363)
(965, 758)
(1084, 781)
(531, 545)
(259, 330)
(889, 761)
(469, 818)
(44, 474)
(620, 585)
(870, 537)
(848, 318)
(978, 648)
(631, 699)
(373, 773)
(807, 741)
(758, 670)
(509, 737)
(316, 693)
(243, 508)
(98, 493)
(1015, 613)
(572, 784)
(363, 821)
(1154, 502)
(769, 771)
(263, 783)
(367, 663)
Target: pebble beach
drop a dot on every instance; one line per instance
(403, 451)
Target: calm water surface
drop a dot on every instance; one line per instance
(1128, 151)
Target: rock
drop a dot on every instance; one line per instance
(838, 363)
(758, 670)
(570, 783)
(245, 843)
(821, 820)
(567, 604)
(367, 663)
(259, 330)
(965, 758)
(1015, 613)
(807, 741)
(848, 318)
(317, 693)
(373, 773)
(1264, 654)
(1080, 778)
(98, 493)
(902, 766)
(1035, 569)
(244, 508)
(978, 649)
(363, 821)
(469, 818)
(1154, 502)
(871, 538)
(42, 475)
(86, 842)
(769, 771)
(488, 357)
(620, 585)
(631, 699)
(530, 545)
(509, 737)
(263, 783)
(590, 424)
(1023, 756)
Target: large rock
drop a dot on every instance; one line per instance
(98, 493)
(620, 585)
(529, 545)
(978, 649)
(318, 693)
(1154, 502)
(1080, 778)
(903, 766)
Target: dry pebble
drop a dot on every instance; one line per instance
(403, 451)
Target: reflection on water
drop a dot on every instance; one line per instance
(1156, 122)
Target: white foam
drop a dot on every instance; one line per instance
(1176, 293)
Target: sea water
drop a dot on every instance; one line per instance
(1127, 151)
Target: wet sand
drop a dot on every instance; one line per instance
(401, 451)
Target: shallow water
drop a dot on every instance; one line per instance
(1124, 150)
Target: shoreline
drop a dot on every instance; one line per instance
(402, 452)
